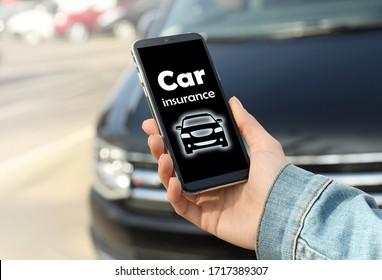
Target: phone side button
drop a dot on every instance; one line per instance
(216, 70)
(140, 77)
(145, 91)
(134, 58)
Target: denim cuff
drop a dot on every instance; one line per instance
(292, 196)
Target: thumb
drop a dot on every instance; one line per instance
(248, 126)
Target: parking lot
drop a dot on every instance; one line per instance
(49, 99)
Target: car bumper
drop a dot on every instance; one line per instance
(122, 234)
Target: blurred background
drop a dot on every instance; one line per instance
(58, 61)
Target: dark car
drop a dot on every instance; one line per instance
(309, 71)
(201, 131)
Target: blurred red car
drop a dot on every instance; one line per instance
(76, 20)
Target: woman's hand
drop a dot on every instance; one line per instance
(230, 213)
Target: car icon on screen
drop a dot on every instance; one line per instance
(200, 131)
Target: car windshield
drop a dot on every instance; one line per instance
(252, 18)
(199, 120)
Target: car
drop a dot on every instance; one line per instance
(201, 131)
(77, 20)
(33, 26)
(10, 8)
(308, 71)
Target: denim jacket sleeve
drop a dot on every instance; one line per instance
(310, 216)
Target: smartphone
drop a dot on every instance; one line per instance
(186, 99)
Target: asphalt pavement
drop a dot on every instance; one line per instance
(50, 96)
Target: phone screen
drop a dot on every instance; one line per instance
(193, 112)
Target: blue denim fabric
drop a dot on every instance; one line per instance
(310, 216)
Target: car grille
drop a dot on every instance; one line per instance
(363, 171)
(202, 132)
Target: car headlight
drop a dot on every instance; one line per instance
(218, 129)
(112, 171)
(185, 135)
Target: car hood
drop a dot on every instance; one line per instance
(318, 95)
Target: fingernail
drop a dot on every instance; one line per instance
(237, 100)
(143, 123)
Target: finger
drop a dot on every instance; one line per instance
(149, 126)
(181, 204)
(248, 126)
(156, 145)
(165, 169)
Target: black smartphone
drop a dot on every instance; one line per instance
(186, 99)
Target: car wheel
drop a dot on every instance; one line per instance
(124, 30)
(77, 33)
